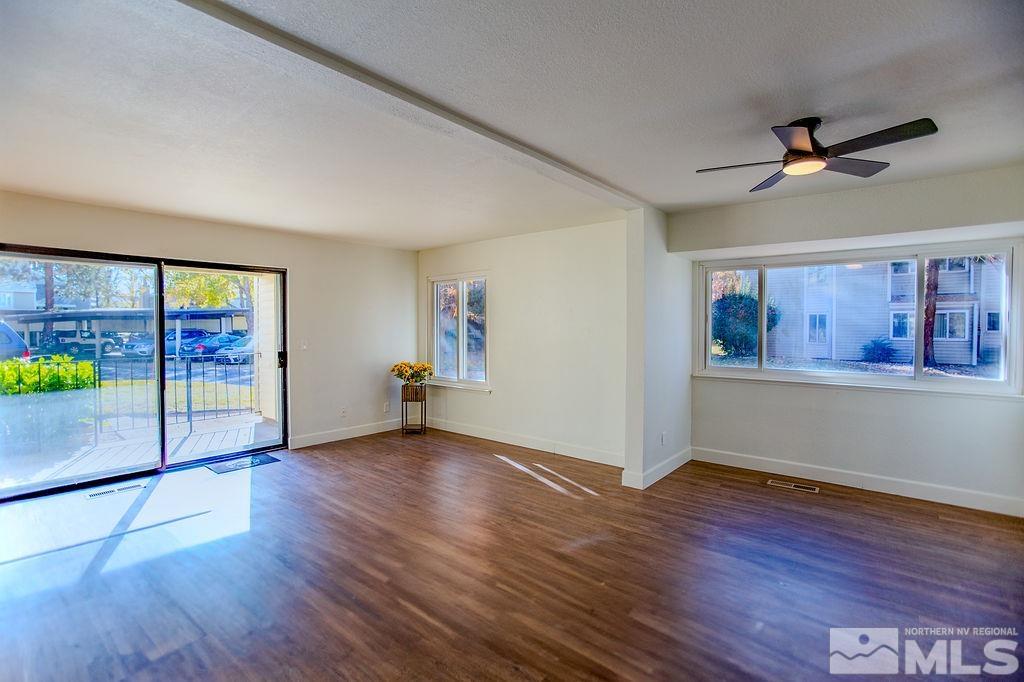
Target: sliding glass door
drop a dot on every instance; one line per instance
(73, 407)
(86, 342)
(223, 334)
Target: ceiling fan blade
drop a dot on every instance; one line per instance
(768, 182)
(794, 137)
(900, 133)
(739, 165)
(862, 168)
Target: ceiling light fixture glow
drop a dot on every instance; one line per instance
(804, 165)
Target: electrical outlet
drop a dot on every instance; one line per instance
(344, 412)
(387, 406)
(663, 434)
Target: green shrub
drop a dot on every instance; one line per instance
(58, 373)
(878, 350)
(734, 323)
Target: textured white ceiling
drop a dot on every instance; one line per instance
(642, 93)
(152, 105)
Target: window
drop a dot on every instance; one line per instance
(951, 325)
(446, 332)
(902, 325)
(860, 313)
(854, 337)
(900, 267)
(902, 282)
(460, 330)
(817, 328)
(6, 299)
(734, 315)
(817, 275)
(953, 343)
(953, 264)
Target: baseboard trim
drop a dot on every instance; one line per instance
(645, 479)
(960, 497)
(304, 441)
(533, 442)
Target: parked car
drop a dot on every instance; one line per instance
(143, 345)
(190, 334)
(74, 342)
(11, 343)
(139, 345)
(239, 353)
(207, 345)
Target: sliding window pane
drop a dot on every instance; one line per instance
(74, 406)
(476, 329)
(964, 307)
(446, 354)
(223, 383)
(734, 318)
(849, 317)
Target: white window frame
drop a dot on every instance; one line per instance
(967, 324)
(817, 328)
(6, 300)
(909, 263)
(461, 382)
(818, 277)
(945, 263)
(910, 273)
(1011, 320)
(911, 325)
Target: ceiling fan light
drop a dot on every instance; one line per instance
(804, 165)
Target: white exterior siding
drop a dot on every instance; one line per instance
(786, 291)
(859, 300)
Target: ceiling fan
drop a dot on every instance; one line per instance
(805, 155)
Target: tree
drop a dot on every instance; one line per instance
(931, 294)
(189, 289)
(734, 323)
(931, 297)
(730, 282)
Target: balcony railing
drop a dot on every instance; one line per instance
(125, 389)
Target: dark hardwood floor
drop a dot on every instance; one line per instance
(427, 557)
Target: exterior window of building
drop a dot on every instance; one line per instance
(902, 325)
(817, 328)
(958, 264)
(900, 267)
(951, 325)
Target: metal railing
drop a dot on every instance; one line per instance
(125, 389)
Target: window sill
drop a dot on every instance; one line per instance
(929, 388)
(480, 388)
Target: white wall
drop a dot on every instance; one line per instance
(659, 352)
(964, 450)
(980, 198)
(556, 306)
(967, 451)
(351, 308)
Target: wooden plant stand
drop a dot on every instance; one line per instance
(414, 393)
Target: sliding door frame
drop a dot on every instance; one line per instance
(160, 333)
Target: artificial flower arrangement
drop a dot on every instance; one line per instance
(412, 372)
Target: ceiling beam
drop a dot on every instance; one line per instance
(422, 110)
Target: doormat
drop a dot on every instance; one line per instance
(240, 463)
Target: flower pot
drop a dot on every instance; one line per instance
(414, 393)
